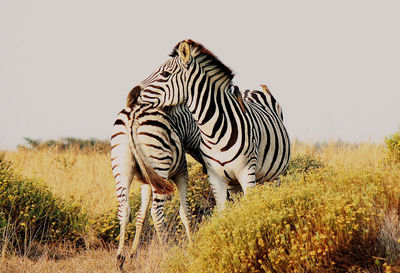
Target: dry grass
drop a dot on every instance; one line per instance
(85, 176)
(96, 260)
(343, 155)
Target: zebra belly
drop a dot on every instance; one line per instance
(227, 171)
(266, 164)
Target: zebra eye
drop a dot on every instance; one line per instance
(165, 74)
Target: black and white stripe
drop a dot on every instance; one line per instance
(148, 145)
(242, 141)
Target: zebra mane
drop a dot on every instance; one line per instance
(197, 47)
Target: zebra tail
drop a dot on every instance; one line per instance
(157, 182)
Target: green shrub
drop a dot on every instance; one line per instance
(302, 164)
(33, 213)
(326, 222)
(393, 147)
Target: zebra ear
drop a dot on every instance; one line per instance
(184, 52)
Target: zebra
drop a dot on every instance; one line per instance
(243, 142)
(147, 146)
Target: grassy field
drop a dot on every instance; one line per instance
(349, 197)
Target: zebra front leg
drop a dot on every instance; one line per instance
(220, 189)
(157, 213)
(141, 216)
(247, 179)
(181, 182)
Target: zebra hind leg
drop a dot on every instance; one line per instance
(123, 168)
(157, 213)
(123, 213)
(141, 217)
(184, 212)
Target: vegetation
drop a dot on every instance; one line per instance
(78, 175)
(67, 143)
(30, 212)
(327, 221)
(393, 146)
(337, 210)
(302, 164)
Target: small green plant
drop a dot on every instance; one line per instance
(393, 147)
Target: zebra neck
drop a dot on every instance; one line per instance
(207, 104)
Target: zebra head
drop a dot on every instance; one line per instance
(190, 71)
(167, 86)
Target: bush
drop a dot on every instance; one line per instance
(326, 222)
(302, 164)
(393, 147)
(33, 213)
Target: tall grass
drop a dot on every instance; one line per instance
(83, 175)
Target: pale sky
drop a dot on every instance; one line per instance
(67, 66)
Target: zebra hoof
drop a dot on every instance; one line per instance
(121, 258)
(133, 254)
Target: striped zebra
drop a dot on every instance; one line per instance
(243, 141)
(147, 146)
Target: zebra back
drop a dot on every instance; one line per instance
(265, 98)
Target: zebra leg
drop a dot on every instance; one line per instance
(184, 212)
(123, 170)
(247, 179)
(141, 216)
(220, 189)
(123, 215)
(157, 213)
